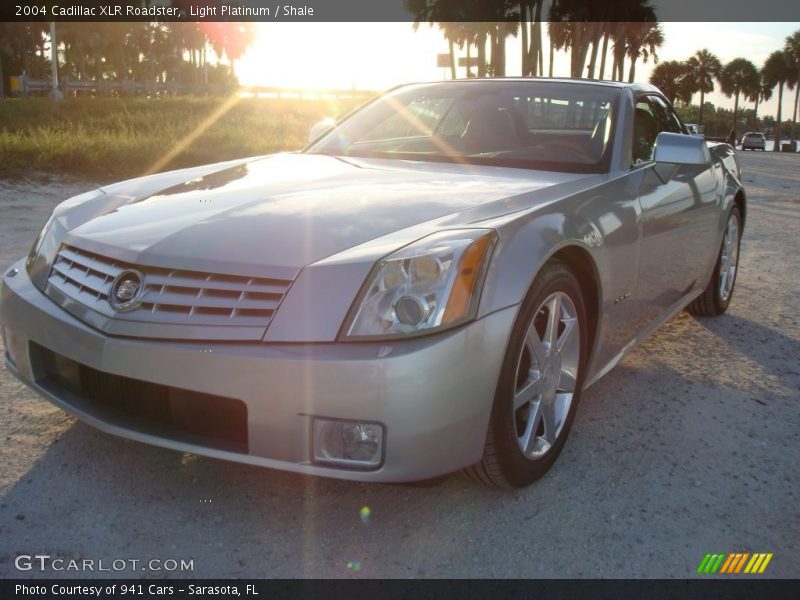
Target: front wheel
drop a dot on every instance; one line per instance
(540, 382)
(718, 293)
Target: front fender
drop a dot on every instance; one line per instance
(602, 223)
(731, 186)
(525, 246)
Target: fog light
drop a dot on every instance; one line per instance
(15, 347)
(348, 443)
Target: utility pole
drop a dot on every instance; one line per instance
(55, 93)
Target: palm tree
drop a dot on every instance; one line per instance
(701, 70)
(618, 52)
(792, 51)
(607, 28)
(477, 34)
(632, 21)
(643, 40)
(576, 26)
(764, 93)
(533, 55)
(495, 20)
(671, 78)
(777, 71)
(739, 76)
(595, 35)
(497, 35)
(530, 24)
(452, 35)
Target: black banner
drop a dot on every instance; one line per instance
(385, 10)
(184, 589)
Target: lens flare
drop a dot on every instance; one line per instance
(365, 513)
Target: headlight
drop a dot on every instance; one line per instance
(38, 243)
(432, 284)
(45, 245)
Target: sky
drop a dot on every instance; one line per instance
(377, 56)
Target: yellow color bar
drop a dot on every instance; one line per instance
(752, 563)
(765, 563)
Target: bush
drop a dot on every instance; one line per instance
(107, 139)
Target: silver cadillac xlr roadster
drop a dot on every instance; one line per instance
(427, 287)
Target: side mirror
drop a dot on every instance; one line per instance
(680, 149)
(319, 128)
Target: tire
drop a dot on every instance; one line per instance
(519, 450)
(716, 298)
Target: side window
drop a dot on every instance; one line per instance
(418, 119)
(673, 122)
(652, 116)
(454, 123)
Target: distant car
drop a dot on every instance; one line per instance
(428, 287)
(753, 141)
(696, 130)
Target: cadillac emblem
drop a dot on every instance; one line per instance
(126, 290)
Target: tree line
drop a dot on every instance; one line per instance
(592, 33)
(148, 52)
(739, 78)
(630, 33)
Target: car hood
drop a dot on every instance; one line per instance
(274, 215)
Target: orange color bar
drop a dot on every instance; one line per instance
(728, 561)
(741, 562)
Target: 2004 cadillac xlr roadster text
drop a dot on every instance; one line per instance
(427, 287)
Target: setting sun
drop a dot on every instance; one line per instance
(371, 56)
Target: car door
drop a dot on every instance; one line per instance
(680, 213)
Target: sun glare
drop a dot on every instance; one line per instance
(366, 56)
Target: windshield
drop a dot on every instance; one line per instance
(537, 124)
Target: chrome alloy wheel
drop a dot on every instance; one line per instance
(729, 257)
(547, 369)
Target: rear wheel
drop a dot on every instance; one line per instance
(718, 293)
(540, 383)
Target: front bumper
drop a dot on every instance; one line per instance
(433, 395)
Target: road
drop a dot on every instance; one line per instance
(689, 446)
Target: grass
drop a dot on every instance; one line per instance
(107, 139)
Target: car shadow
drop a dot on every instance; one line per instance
(775, 353)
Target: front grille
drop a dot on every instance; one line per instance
(170, 296)
(174, 413)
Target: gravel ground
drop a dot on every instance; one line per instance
(689, 446)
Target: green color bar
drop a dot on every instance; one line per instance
(711, 562)
(703, 564)
(718, 563)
